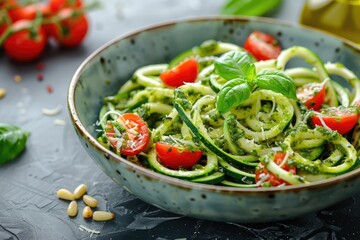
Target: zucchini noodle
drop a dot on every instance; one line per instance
(236, 143)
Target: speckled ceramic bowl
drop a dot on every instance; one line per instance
(109, 67)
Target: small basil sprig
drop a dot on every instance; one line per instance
(12, 142)
(237, 68)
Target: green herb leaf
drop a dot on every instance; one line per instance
(234, 65)
(249, 7)
(276, 81)
(12, 142)
(232, 94)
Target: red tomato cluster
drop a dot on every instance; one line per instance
(26, 29)
(129, 135)
(341, 119)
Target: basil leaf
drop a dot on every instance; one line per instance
(232, 94)
(276, 81)
(235, 64)
(12, 142)
(249, 7)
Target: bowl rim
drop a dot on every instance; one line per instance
(176, 181)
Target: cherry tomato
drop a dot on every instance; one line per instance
(339, 118)
(129, 134)
(175, 157)
(186, 71)
(7, 4)
(28, 11)
(25, 46)
(263, 177)
(312, 95)
(262, 46)
(72, 30)
(57, 5)
(3, 27)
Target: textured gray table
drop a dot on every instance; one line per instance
(29, 208)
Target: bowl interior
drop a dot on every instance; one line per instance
(113, 64)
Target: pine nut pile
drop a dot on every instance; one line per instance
(80, 192)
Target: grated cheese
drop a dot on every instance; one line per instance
(263, 133)
(132, 144)
(281, 185)
(133, 131)
(24, 91)
(91, 231)
(263, 177)
(117, 132)
(60, 122)
(273, 106)
(277, 149)
(107, 114)
(306, 117)
(51, 112)
(20, 104)
(286, 157)
(323, 123)
(175, 140)
(119, 144)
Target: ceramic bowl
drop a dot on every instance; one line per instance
(102, 73)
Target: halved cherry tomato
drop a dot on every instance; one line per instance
(128, 135)
(57, 5)
(341, 119)
(25, 46)
(175, 157)
(262, 46)
(312, 95)
(186, 71)
(263, 177)
(72, 30)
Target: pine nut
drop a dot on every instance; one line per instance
(2, 92)
(103, 216)
(72, 209)
(90, 201)
(80, 191)
(87, 212)
(17, 78)
(65, 194)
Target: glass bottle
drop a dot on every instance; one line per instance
(341, 17)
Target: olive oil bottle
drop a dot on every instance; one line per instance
(340, 17)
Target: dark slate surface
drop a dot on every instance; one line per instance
(29, 208)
